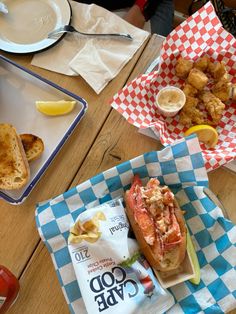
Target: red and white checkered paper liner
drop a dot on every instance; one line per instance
(200, 34)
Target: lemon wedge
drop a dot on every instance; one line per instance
(206, 134)
(55, 108)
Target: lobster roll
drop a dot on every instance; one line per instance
(158, 224)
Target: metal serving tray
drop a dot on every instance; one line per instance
(19, 89)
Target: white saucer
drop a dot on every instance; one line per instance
(26, 26)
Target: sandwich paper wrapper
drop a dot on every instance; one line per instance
(181, 167)
(200, 34)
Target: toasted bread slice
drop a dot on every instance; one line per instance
(33, 146)
(14, 167)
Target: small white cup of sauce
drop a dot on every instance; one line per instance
(170, 100)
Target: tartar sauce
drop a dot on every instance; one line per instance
(170, 99)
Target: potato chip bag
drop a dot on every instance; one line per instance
(112, 274)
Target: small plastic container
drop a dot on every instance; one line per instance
(170, 100)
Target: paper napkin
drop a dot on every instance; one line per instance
(97, 60)
(200, 34)
(181, 167)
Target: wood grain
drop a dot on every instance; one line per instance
(115, 142)
(41, 293)
(92, 164)
(18, 233)
(223, 183)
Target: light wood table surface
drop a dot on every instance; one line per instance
(102, 140)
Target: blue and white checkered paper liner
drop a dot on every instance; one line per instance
(181, 167)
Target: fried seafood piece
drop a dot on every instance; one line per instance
(233, 92)
(185, 119)
(217, 70)
(225, 77)
(213, 105)
(192, 118)
(197, 79)
(190, 114)
(189, 90)
(183, 67)
(202, 63)
(191, 102)
(222, 89)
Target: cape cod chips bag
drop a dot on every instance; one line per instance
(113, 277)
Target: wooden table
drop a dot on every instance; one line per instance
(110, 140)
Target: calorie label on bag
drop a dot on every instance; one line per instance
(111, 272)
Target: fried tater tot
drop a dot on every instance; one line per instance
(222, 89)
(213, 105)
(183, 67)
(197, 79)
(217, 70)
(202, 63)
(189, 90)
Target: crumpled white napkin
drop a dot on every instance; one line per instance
(97, 60)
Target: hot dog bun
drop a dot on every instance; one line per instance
(166, 257)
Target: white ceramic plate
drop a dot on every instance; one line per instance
(19, 89)
(26, 26)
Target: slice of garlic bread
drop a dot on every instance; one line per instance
(33, 146)
(14, 167)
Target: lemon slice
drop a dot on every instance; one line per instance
(206, 134)
(55, 108)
